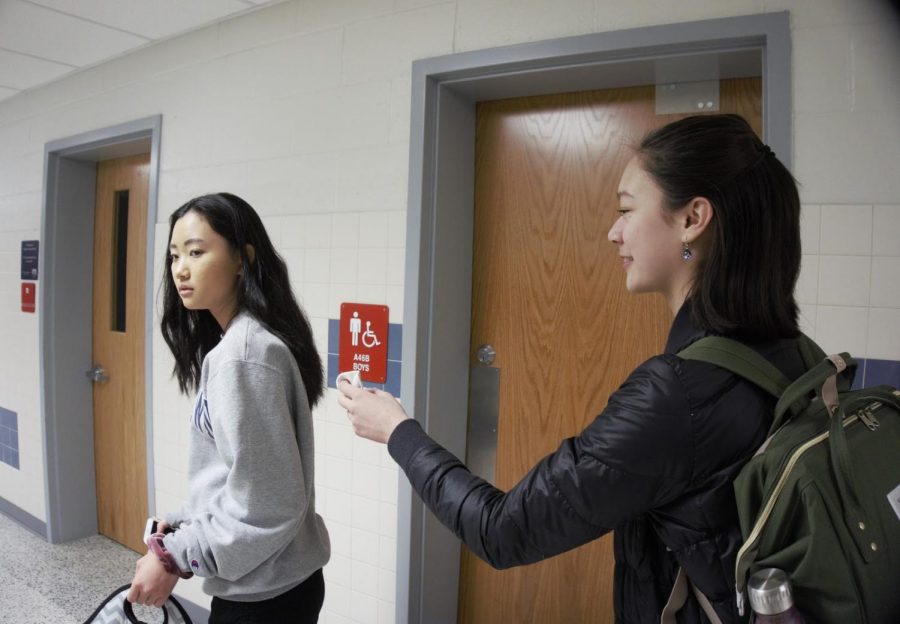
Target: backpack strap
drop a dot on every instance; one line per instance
(793, 397)
(679, 596)
(740, 360)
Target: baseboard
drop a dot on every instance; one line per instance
(38, 527)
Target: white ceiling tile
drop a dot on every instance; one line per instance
(18, 71)
(153, 19)
(7, 93)
(48, 34)
(41, 40)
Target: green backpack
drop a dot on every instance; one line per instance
(821, 497)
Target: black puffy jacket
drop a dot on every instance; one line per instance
(656, 465)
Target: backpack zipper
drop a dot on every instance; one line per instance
(864, 415)
(868, 418)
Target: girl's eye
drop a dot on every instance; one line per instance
(623, 211)
(195, 253)
(174, 257)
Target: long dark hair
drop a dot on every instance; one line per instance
(745, 284)
(263, 290)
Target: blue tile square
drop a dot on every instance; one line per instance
(880, 372)
(332, 369)
(14, 459)
(334, 335)
(8, 419)
(392, 382)
(860, 380)
(13, 440)
(395, 342)
(5, 455)
(4, 436)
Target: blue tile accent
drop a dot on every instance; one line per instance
(8, 419)
(395, 342)
(393, 377)
(859, 379)
(332, 369)
(880, 372)
(9, 438)
(334, 336)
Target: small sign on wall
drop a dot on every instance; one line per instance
(29, 289)
(30, 260)
(364, 340)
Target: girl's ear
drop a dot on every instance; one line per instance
(251, 253)
(696, 217)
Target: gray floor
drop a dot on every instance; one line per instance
(42, 583)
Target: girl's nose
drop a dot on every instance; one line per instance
(178, 269)
(615, 233)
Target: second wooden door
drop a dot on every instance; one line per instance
(120, 458)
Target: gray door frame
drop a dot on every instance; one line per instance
(65, 307)
(437, 309)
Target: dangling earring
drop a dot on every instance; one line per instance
(686, 254)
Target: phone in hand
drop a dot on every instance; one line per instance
(349, 376)
(152, 527)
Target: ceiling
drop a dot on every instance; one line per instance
(42, 40)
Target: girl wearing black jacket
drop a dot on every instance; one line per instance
(709, 219)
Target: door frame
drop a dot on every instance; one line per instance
(65, 308)
(437, 307)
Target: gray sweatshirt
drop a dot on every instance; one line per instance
(250, 527)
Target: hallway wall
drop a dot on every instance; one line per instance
(303, 108)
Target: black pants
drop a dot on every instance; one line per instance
(300, 605)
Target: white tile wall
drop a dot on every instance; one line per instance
(844, 280)
(846, 230)
(304, 109)
(886, 241)
(491, 24)
(810, 224)
(869, 45)
(827, 89)
(384, 47)
(885, 283)
(808, 284)
(842, 328)
(884, 337)
(827, 171)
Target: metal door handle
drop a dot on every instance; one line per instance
(97, 374)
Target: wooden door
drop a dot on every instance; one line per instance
(549, 295)
(120, 234)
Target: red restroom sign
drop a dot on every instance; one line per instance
(363, 342)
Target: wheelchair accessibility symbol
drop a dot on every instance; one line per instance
(363, 340)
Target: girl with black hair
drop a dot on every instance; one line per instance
(242, 343)
(709, 219)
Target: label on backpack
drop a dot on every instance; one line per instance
(894, 499)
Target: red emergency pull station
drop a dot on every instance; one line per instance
(28, 292)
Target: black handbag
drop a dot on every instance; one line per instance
(117, 610)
